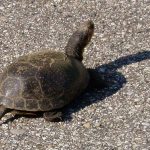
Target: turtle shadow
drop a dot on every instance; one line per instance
(109, 71)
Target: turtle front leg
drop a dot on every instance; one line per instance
(3, 111)
(23, 113)
(53, 116)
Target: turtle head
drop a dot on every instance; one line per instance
(79, 40)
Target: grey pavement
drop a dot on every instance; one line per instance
(114, 118)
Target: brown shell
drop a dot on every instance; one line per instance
(42, 81)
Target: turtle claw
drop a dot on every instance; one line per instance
(53, 116)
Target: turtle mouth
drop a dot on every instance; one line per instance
(88, 26)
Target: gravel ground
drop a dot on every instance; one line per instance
(114, 118)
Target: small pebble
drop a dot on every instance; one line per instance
(87, 125)
(17, 131)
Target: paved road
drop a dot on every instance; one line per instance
(114, 118)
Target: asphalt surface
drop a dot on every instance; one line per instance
(114, 118)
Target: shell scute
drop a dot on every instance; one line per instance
(45, 104)
(31, 89)
(11, 87)
(32, 104)
(52, 81)
(44, 58)
(21, 69)
(19, 103)
(6, 101)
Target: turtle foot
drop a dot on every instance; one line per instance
(53, 116)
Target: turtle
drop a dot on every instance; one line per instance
(46, 81)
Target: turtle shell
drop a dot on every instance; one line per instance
(42, 81)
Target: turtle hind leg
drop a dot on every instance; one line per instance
(53, 116)
(3, 111)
